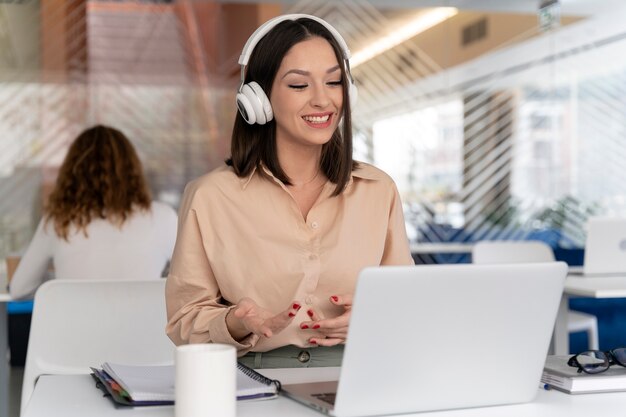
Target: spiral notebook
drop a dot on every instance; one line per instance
(137, 385)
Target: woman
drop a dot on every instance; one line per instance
(99, 222)
(269, 246)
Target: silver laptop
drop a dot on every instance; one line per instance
(605, 248)
(442, 337)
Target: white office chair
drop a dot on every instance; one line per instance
(494, 252)
(78, 324)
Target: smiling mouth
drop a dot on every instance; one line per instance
(317, 119)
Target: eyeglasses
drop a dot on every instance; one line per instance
(596, 361)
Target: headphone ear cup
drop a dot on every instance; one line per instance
(250, 93)
(353, 94)
(245, 108)
(266, 106)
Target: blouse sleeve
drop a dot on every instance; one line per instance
(31, 271)
(195, 309)
(397, 251)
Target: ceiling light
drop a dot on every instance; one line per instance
(421, 23)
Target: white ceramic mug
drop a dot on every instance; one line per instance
(205, 382)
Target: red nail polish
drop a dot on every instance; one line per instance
(304, 326)
(335, 298)
(310, 313)
(291, 314)
(316, 326)
(296, 306)
(313, 342)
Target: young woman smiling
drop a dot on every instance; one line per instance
(270, 245)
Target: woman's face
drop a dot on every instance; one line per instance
(307, 95)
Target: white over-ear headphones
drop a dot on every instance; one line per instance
(252, 102)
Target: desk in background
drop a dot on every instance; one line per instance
(441, 253)
(577, 286)
(77, 396)
(447, 248)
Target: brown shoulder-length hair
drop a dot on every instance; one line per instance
(253, 145)
(101, 177)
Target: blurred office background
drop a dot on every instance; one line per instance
(497, 119)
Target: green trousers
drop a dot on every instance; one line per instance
(294, 357)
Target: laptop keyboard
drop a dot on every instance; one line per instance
(327, 397)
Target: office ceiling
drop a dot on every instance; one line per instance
(568, 7)
(572, 7)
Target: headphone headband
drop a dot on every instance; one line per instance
(269, 25)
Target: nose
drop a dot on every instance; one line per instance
(320, 98)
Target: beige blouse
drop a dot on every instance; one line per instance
(246, 237)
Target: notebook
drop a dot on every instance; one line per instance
(438, 337)
(154, 385)
(605, 248)
(559, 375)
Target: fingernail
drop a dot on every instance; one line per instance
(304, 326)
(313, 342)
(316, 326)
(291, 314)
(335, 298)
(296, 306)
(310, 313)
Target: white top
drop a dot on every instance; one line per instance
(139, 249)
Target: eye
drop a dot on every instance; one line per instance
(298, 86)
(334, 83)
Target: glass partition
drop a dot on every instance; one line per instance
(495, 120)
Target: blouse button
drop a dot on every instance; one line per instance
(308, 300)
(315, 225)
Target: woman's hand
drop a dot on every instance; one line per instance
(248, 317)
(333, 331)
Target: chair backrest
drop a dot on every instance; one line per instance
(500, 252)
(78, 324)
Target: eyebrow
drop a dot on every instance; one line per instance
(302, 72)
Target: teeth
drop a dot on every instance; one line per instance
(316, 119)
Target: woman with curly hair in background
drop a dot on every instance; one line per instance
(99, 221)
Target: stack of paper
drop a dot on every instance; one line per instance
(559, 375)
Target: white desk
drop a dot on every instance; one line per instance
(596, 287)
(4, 354)
(579, 286)
(446, 248)
(77, 396)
